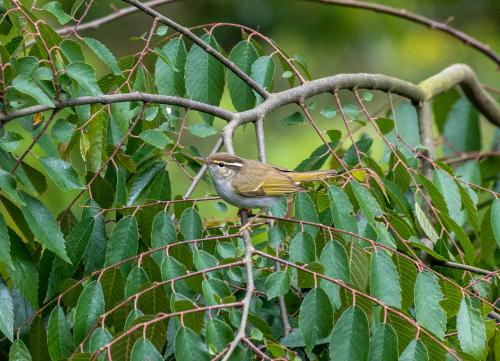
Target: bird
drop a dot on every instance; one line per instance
(248, 184)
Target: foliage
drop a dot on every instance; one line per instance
(369, 265)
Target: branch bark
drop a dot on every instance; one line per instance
(419, 19)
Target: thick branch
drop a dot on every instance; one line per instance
(121, 97)
(205, 46)
(419, 19)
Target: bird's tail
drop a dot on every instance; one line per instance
(311, 176)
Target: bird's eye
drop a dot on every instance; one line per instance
(220, 164)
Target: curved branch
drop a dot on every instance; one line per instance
(121, 97)
(419, 19)
(205, 46)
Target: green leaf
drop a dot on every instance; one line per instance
(62, 174)
(293, 119)
(243, 55)
(385, 124)
(471, 329)
(191, 224)
(19, 352)
(350, 336)
(328, 111)
(384, 280)
(90, 306)
(84, 76)
(162, 233)
(142, 181)
(449, 189)
(170, 81)
(8, 186)
(384, 344)
(55, 8)
(155, 137)
(315, 318)
(123, 242)
(26, 86)
(99, 338)
(95, 252)
(428, 295)
(5, 244)
(7, 313)
(144, 350)
(277, 284)
(263, 73)
(204, 75)
(415, 351)
(59, 338)
(135, 280)
(77, 241)
(72, 50)
(425, 224)
(368, 204)
(189, 346)
(461, 131)
(405, 128)
(202, 130)
(214, 290)
(306, 211)
(302, 248)
(495, 219)
(10, 141)
(342, 210)
(104, 54)
(24, 272)
(43, 225)
(336, 265)
(218, 333)
(96, 136)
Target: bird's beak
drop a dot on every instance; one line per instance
(201, 160)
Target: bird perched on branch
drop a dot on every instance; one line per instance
(248, 184)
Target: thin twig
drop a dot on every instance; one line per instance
(419, 19)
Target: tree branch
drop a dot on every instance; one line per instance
(419, 19)
(205, 46)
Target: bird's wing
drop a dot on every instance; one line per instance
(260, 182)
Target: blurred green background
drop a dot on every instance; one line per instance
(333, 40)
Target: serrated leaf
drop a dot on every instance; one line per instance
(8, 185)
(26, 86)
(428, 295)
(471, 329)
(302, 248)
(189, 346)
(306, 211)
(19, 352)
(202, 130)
(495, 220)
(90, 306)
(263, 73)
(155, 137)
(142, 181)
(162, 233)
(84, 75)
(24, 271)
(59, 338)
(104, 54)
(243, 55)
(316, 317)
(44, 226)
(5, 256)
(191, 224)
(350, 336)
(384, 344)
(461, 131)
(342, 210)
(144, 350)
(169, 81)
(7, 313)
(204, 75)
(293, 119)
(123, 242)
(218, 333)
(415, 351)
(135, 280)
(328, 111)
(62, 174)
(425, 224)
(277, 284)
(384, 280)
(55, 8)
(336, 265)
(449, 189)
